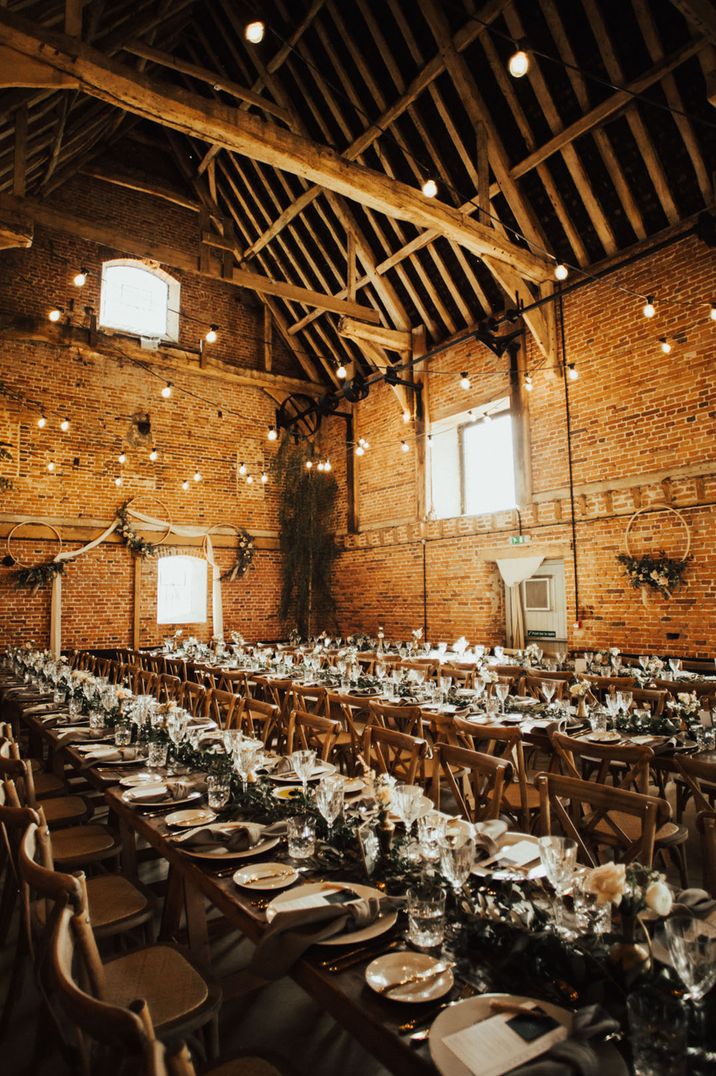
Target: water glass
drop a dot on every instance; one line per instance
(431, 834)
(75, 707)
(598, 721)
(157, 755)
(218, 791)
(625, 699)
(559, 859)
(548, 688)
(97, 720)
(122, 735)
(657, 1034)
(301, 836)
(426, 917)
(589, 916)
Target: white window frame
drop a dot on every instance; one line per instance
(194, 609)
(118, 324)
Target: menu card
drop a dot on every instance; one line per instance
(502, 1042)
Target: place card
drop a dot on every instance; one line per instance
(520, 854)
(503, 1042)
(331, 895)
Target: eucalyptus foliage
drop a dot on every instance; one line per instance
(307, 500)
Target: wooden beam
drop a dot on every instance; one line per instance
(217, 82)
(483, 172)
(351, 276)
(392, 339)
(137, 604)
(140, 181)
(22, 71)
(109, 236)
(701, 13)
(267, 341)
(242, 133)
(73, 17)
(64, 108)
(16, 230)
(19, 176)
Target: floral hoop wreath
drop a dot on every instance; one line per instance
(129, 535)
(244, 552)
(658, 572)
(28, 523)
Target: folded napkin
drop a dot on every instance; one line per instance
(113, 754)
(237, 839)
(176, 790)
(574, 1056)
(295, 930)
(283, 766)
(45, 708)
(694, 902)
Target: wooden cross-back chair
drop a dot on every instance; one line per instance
(646, 698)
(225, 708)
(461, 675)
(277, 692)
(706, 827)
(102, 667)
(114, 672)
(312, 732)
(310, 700)
(234, 680)
(350, 711)
(406, 719)
(257, 719)
(532, 685)
(696, 779)
(476, 781)
(601, 816)
(169, 688)
(397, 753)
(147, 683)
(60, 810)
(600, 686)
(427, 667)
(175, 667)
(520, 800)
(195, 699)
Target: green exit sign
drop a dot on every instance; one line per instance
(520, 539)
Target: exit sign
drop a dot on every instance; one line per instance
(520, 539)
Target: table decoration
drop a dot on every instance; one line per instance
(657, 572)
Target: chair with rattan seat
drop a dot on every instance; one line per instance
(406, 719)
(623, 766)
(476, 781)
(195, 699)
(601, 817)
(396, 753)
(312, 732)
(60, 810)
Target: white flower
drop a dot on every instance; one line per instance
(607, 883)
(658, 898)
(417, 633)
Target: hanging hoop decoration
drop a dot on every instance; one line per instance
(245, 550)
(32, 577)
(655, 571)
(139, 546)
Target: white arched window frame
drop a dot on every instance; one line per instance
(182, 587)
(140, 299)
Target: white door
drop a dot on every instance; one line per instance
(544, 607)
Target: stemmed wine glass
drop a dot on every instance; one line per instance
(445, 684)
(406, 802)
(625, 698)
(613, 705)
(692, 948)
(643, 661)
(457, 856)
(329, 799)
(675, 665)
(247, 755)
(548, 688)
(559, 859)
(178, 729)
(303, 763)
(502, 690)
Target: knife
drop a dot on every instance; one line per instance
(419, 976)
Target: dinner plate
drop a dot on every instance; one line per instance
(264, 845)
(649, 741)
(266, 876)
(395, 967)
(192, 816)
(352, 786)
(498, 871)
(288, 792)
(473, 1011)
(603, 737)
(144, 777)
(383, 923)
(146, 790)
(318, 771)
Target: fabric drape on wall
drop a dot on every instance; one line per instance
(56, 599)
(514, 571)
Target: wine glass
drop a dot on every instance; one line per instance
(178, 729)
(406, 802)
(247, 754)
(445, 683)
(502, 690)
(548, 688)
(303, 763)
(692, 947)
(559, 859)
(559, 658)
(329, 799)
(457, 856)
(432, 828)
(613, 705)
(675, 665)
(643, 661)
(625, 699)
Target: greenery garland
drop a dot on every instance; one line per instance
(129, 536)
(39, 576)
(307, 500)
(657, 571)
(245, 550)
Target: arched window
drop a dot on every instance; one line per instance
(181, 590)
(139, 299)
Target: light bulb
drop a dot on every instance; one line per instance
(712, 312)
(242, 469)
(185, 484)
(309, 465)
(254, 32)
(197, 476)
(360, 451)
(404, 446)
(154, 455)
(80, 279)
(519, 63)
(167, 390)
(406, 417)
(249, 480)
(212, 335)
(51, 467)
(341, 373)
(65, 425)
(327, 466)
(264, 477)
(122, 457)
(648, 310)
(529, 384)
(320, 466)
(118, 480)
(55, 314)
(572, 372)
(561, 271)
(272, 433)
(42, 422)
(430, 188)
(464, 381)
(665, 345)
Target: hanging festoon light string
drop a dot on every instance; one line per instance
(519, 62)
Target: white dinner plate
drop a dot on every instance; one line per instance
(603, 737)
(266, 876)
(502, 871)
(135, 797)
(318, 771)
(264, 845)
(352, 786)
(383, 923)
(396, 967)
(288, 792)
(191, 816)
(144, 777)
(473, 1010)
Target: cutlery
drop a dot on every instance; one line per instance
(419, 976)
(357, 956)
(269, 877)
(426, 1019)
(516, 1009)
